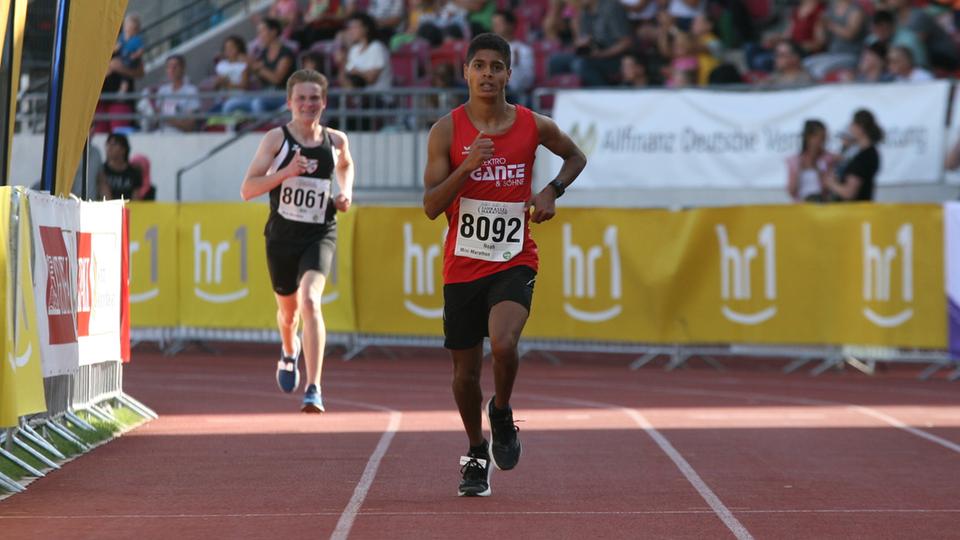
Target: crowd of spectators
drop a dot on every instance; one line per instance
(379, 44)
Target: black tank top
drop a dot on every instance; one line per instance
(282, 229)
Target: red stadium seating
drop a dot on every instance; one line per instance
(409, 63)
(542, 50)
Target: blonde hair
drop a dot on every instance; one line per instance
(307, 75)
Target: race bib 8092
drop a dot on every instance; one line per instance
(490, 230)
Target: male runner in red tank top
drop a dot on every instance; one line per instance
(479, 174)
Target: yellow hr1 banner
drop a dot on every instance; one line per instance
(21, 375)
(845, 274)
(153, 264)
(224, 282)
(398, 271)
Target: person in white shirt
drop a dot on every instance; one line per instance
(177, 97)
(522, 63)
(367, 63)
(900, 60)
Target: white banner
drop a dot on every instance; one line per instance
(704, 138)
(56, 223)
(98, 281)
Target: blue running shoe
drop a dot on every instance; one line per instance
(312, 401)
(288, 371)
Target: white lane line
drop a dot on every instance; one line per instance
(349, 514)
(492, 513)
(883, 417)
(345, 523)
(720, 509)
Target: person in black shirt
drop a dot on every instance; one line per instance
(855, 178)
(308, 171)
(118, 178)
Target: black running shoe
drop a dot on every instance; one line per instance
(504, 443)
(476, 476)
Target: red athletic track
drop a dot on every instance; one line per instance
(608, 453)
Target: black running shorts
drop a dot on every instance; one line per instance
(289, 261)
(466, 306)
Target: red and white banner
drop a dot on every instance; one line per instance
(56, 223)
(98, 281)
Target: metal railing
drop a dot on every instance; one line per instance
(405, 109)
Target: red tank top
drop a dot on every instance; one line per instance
(494, 234)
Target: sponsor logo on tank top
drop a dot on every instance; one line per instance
(497, 169)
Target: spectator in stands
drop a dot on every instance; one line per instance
(854, 179)
(366, 63)
(118, 178)
(806, 171)
(232, 69)
(873, 64)
(270, 69)
(683, 12)
(312, 60)
(633, 72)
(522, 72)
(708, 47)
(558, 22)
(177, 97)
(388, 16)
(677, 45)
(602, 37)
(129, 47)
(902, 67)
(438, 22)
(940, 51)
(287, 13)
(480, 15)
(126, 66)
(845, 29)
(788, 67)
(804, 28)
(322, 20)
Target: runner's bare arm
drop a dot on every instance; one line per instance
(544, 203)
(257, 181)
(344, 170)
(558, 142)
(440, 184)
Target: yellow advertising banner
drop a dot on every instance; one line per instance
(153, 265)
(399, 272)
(21, 375)
(844, 274)
(224, 282)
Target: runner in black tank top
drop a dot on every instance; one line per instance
(298, 164)
(321, 165)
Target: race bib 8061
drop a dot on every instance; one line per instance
(490, 230)
(304, 199)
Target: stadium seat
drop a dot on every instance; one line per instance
(450, 52)
(409, 63)
(542, 51)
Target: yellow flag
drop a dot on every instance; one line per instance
(21, 376)
(91, 35)
(19, 13)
